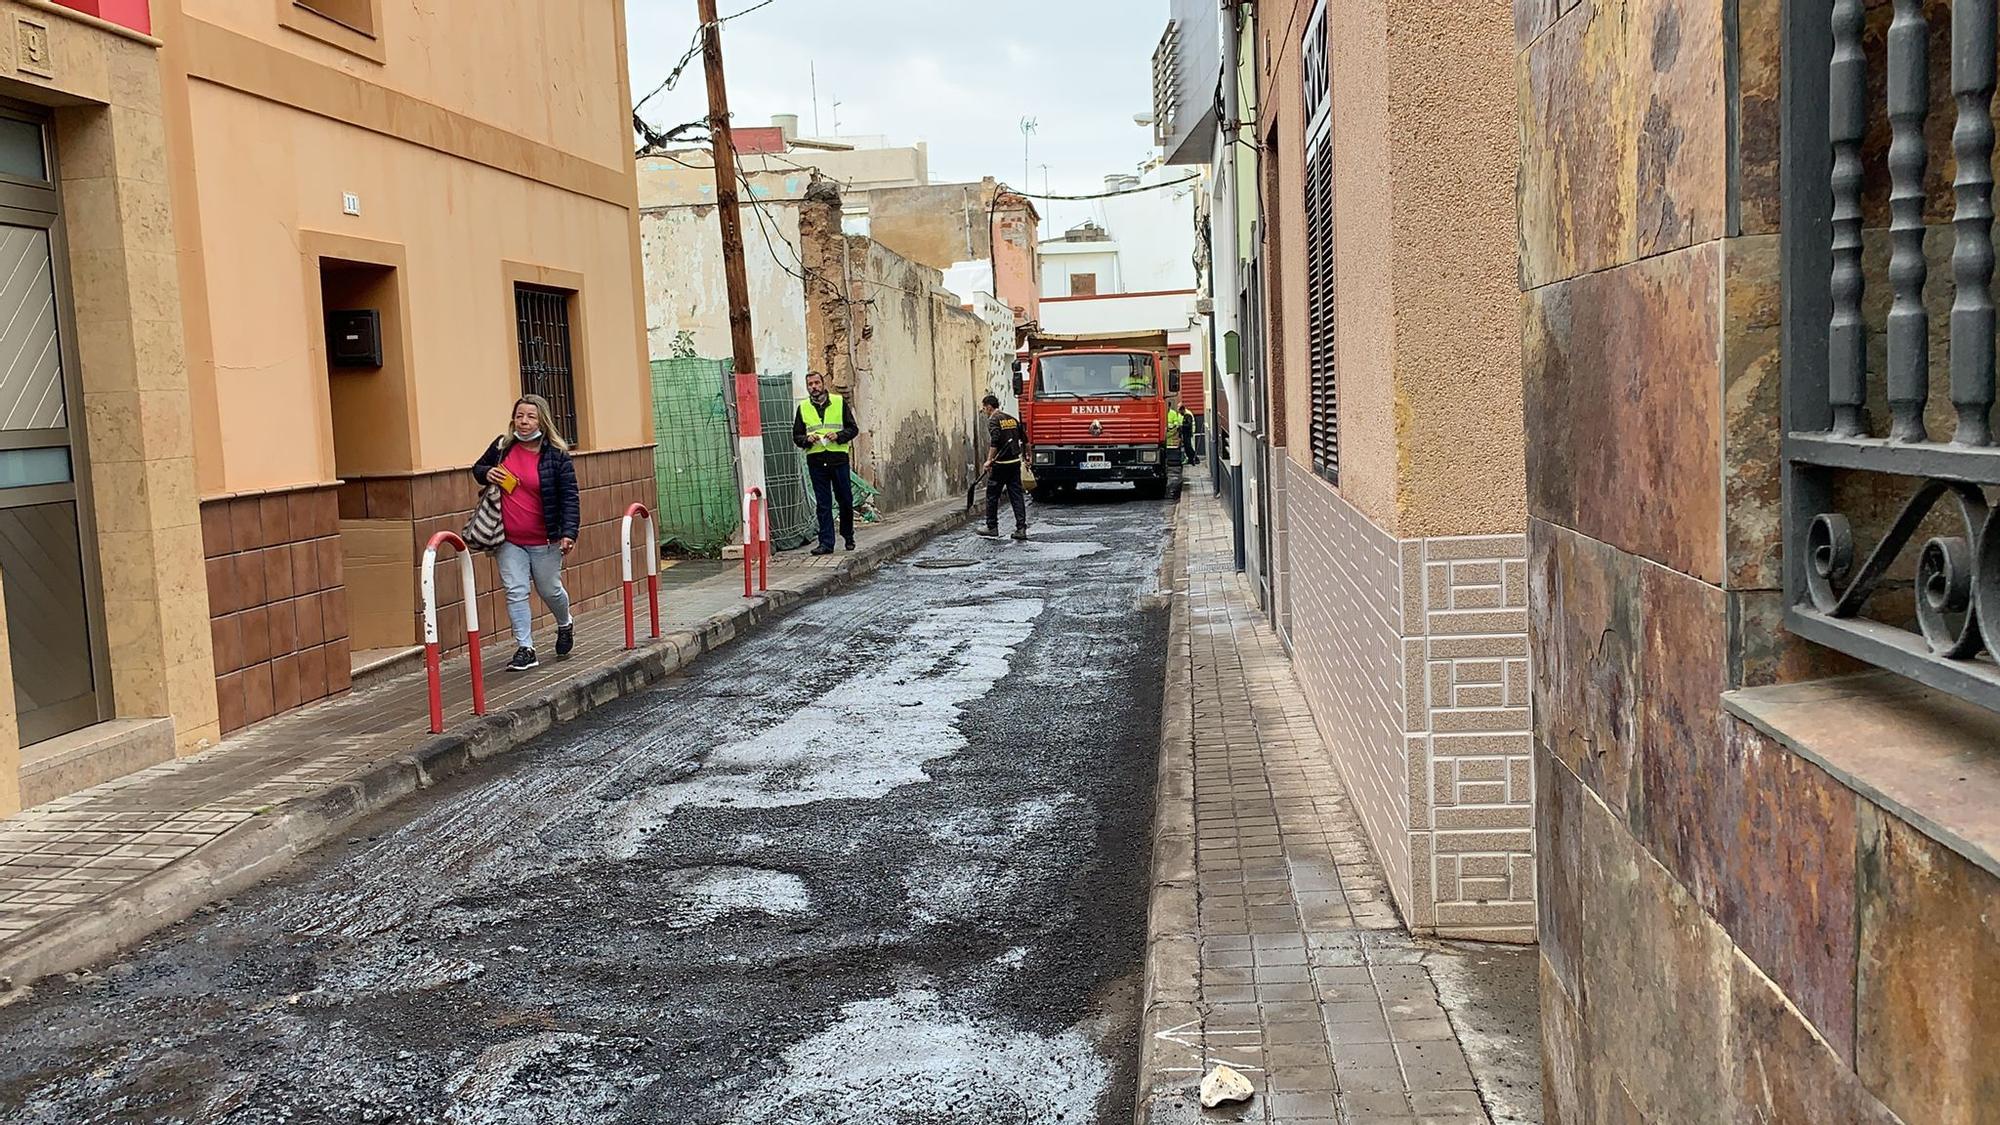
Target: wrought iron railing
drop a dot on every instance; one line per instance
(1849, 555)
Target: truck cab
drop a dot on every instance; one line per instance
(1096, 411)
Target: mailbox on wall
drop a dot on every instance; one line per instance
(354, 338)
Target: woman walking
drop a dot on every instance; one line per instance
(540, 511)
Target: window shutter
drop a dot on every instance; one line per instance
(1325, 414)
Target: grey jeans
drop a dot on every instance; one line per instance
(541, 567)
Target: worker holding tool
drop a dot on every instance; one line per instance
(1006, 443)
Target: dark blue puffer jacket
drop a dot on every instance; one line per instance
(562, 504)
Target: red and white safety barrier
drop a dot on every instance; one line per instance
(756, 541)
(652, 572)
(432, 665)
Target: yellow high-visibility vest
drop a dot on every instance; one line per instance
(830, 423)
(1175, 420)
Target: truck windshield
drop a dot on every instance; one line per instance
(1102, 375)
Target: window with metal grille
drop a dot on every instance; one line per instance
(548, 368)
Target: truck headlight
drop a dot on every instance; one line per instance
(1149, 456)
(1044, 458)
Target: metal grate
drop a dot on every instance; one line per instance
(547, 365)
(793, 522)
(1923, 598)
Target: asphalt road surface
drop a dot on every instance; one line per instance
(884, 862)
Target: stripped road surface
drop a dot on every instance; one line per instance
(883, 862)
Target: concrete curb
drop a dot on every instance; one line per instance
(253, 851)
(1170, 1051)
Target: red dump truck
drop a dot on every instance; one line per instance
(1096, 409)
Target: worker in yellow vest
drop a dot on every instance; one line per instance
(825, 428)
(1180, 443)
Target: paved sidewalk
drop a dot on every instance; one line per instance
(1276, 946)
(93, 853)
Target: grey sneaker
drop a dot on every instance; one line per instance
(989, 533)
(1020, 535)
(524, 659)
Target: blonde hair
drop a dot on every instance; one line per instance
(545, 413)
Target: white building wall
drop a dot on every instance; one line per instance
(1169, 312)
(687, 302)
(1061, 261)
(1155, 232)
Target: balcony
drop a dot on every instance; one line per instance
(134, 14)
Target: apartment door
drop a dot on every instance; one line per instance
(48, 569)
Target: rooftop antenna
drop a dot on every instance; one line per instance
(813, 70)
(1028, 127)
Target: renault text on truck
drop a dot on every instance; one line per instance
(1096, 410)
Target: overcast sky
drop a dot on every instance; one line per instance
(958, 74)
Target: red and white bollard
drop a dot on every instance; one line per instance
(432, 662)
(756, 541)
(652, 572)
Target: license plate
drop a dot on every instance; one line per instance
(1096, 461)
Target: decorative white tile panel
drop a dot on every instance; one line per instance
(1414, 656)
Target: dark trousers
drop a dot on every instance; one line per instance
(1175, 463)
(1006, 478)
(832, 480)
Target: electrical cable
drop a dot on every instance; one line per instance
(803, 273)
(745, 12)
(674, 76)
(1108, 194)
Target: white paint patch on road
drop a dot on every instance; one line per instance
(702, 896)
(997, 829)
(539, 1078)
(385, 965)
(975, 860)
(1059, 550)
(909, 1058)
(868, 735)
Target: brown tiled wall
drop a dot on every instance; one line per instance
(611, 481)
(277, 605)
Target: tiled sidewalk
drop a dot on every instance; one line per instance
(74, 851)
(1308, 983)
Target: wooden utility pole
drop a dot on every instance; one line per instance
(736, 281)
(735, 278)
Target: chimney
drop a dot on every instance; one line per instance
(788, 124)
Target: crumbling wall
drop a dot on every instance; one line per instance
(937, 224)
(914, 363)
(831, 316)
(1001, 350)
